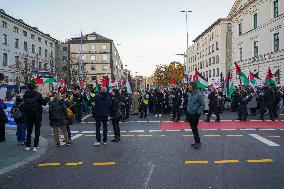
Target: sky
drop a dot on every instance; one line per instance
(147, 32)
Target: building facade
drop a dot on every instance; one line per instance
(61, 58)
(97, 56)
(258, 37)
(210, 52)
(24, 50)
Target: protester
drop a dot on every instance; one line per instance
(213, 105)
(3, 120)
(114, 114)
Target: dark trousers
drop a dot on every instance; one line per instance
(193, 120)
(78, 113)
(99, 122)
(215, 110)
(262, 110)
(33, 121)
(2, 132)
(68, 131)
(158, 108)
(143, 111)
(116, 129)
(176, 113)
(272, 110)
(242, 112)
(21, 132)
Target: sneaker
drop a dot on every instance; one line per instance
(27, 148)
(114, 140)
(58, 144)
(197, 145)
(156, 115)
(97, 144)
(104, 143)
(193, 144)
(160, 115)
(68, 143)
(35, 149)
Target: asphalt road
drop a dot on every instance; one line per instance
(150, 156)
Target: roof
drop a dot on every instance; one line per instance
(98, 37)
(20, 22)
(210, 28)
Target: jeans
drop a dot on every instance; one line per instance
(33, 120)
(21, 132)
(68, 131)
(193, 120)
(99, 122)
(116, 129)
(85, 107)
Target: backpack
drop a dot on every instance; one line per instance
(16, 113)
(56, 110)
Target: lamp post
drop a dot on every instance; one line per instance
(186, 12)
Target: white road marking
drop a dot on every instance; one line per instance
(74, 132)
(91, 122)
(264, 140)
(167, 121)
(86, 117)
(83, 122)
(155, 131)
(76, 136)
(281, 129)
(149, 175)
(88, 132)
(137, 131)
(228, 129)
(173, 130)
(248, 129)
(187, 130)
(154, 121)
(209, 129)
(123, 131)
(267, 129)
(142, 121)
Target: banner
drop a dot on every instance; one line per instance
(11, 122)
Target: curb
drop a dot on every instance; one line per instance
(42, 150)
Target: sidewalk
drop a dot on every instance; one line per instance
(14, 156)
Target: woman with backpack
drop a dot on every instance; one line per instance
(58, 118)
(18, 113)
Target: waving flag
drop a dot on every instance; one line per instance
(202, 82)
(244, 79)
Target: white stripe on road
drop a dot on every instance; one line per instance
(151, 131)
(88, 132)
(91, 122)
(123, 131)
(137, 131)
(264, 140)
(187, 130)
(172, 130)
(142, 121)
(74, 132)
(86, 117)
(154, 121)
(76, 136)
(267, 129)
(228, 129)
(248, 129)
(209, 129)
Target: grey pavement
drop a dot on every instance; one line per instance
(157, 160)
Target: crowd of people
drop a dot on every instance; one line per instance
(68, 107)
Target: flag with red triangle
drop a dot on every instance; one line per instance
(269, 78)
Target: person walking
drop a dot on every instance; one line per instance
(144, 104)
(58, 119)
(19, 115)
(114, 114)
(195, 108)
(102, 110)
(3, 120)
(135, 99)
(33, 107)
(213, 105)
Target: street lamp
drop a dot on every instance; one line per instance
(186, 12)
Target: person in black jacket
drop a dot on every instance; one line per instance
(243, 102)
(3, 120)
(177, 95)
(78, 100)
(33, 108)
(213, 105)
(102, 111)
(114, 114)
(20, 121)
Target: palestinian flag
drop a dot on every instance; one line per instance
(252, 78)
(269, 78)
(202, 82)
(41, 81)
(229, 85)
(244, 79)
(172, 82)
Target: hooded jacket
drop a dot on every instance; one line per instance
(102, 105)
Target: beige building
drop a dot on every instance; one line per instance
(258, 37)
(210, 53)
(98, 56)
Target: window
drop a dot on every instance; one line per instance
(93, 68)
(46, 43)
(51, 54)
(255, 48)
(26, 46)
(213, 72)
(5, 59)
(209, 73)
(206, 74)
(206, 63)
(65, 49)
(213, 61)
(39, 39)
(240, 29)
(209, 61)
(217, 72)
(4, 40)
(104, 68)
(25, 33)
(105, 58)
(64, 58)
(255, 21)
(212, 48)
(217, 59)
(39, 51)
(93, 57)
(217, 46)
(16, 43)
(16, 29)
(51, 44)
(275, 8)
(17, 61)
(209, 49)
(45, 52)
(241, 53)
(104, 47)
(33, 48)
(276, 42)
(32, 36)
(45, 66)
(94, 78)
(40, 65)
(4, 24)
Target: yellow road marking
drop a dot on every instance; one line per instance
(144, 135)
(127, 135)
(260, 161)
(195, 162)
(187, 135)
(234, 135)
(74, 163)
(104, 163)
(274, 136)
(48, 164)
(226, 161)
(212, 135)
